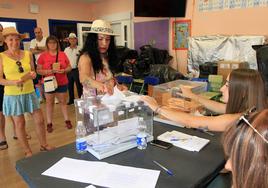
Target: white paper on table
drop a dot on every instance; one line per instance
(119, 176)
(103, 174)
(90, 186)
(77, 170)
(184, 141)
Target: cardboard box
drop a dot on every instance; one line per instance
(161, 97)
(226, 67)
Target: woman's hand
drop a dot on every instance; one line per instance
(18, 83)
(60, 71)
(27, 76)
(187, 92)
(109, 87)
(101, 87)
(122, 87)
(151, 102)
(33, 74)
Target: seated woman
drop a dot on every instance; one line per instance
(246, 146)
(243, 89)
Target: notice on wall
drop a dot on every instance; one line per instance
(214, 5)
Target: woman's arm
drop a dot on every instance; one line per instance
(209, 104)
(43, 72)
(85, 74)
(214, 123)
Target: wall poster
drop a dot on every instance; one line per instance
(181, 33)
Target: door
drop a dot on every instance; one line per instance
(82, 31)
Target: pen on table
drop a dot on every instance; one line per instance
(179, 139)
(164, 168)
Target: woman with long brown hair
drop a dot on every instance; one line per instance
(246, 146)
(243, 88)
(19, 96)
(45, 68)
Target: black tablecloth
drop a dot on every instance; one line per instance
(191, 169)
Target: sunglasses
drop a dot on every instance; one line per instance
(21, 70)
(245, 119)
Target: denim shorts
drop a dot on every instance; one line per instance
(60, 89)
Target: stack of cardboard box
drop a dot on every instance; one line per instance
(226, 67)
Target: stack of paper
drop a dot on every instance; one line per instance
(184, 141)
(103, 174)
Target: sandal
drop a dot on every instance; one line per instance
(27, 136)
(46, 148)
(68, 124)
(3, 145)
(28, 154)
(49, 128)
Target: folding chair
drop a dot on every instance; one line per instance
(149, 80)
(128, 80)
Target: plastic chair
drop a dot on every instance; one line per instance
(149, 80)
(128, 80)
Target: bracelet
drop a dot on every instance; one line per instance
(157, 110)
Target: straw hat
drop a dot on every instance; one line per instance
(12, 31)
(72, 35)
(102, 27)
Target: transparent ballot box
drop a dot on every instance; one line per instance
(163, 92)
(111, 128)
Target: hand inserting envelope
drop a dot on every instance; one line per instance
(117, 97)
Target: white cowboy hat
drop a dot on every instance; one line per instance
(102, 27)
(72, 35)
(13, 31)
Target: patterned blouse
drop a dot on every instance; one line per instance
(101, 76)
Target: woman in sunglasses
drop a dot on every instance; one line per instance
(243, 89)
(19, 95)
(246, 146)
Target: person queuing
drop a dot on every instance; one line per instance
(246, 147)
(97, 56)
(46, 68)
(2, 48)
(238, 96)
(3, 142)
(19, 96)
(37, 46)
(72, 53)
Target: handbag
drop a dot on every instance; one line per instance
(50, 82)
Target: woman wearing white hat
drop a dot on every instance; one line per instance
(19, 96)
(97, 56)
